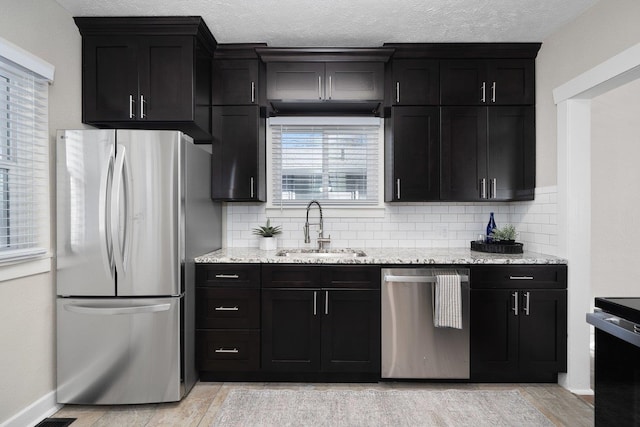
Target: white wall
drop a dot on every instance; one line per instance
(607, 28)
(615, 194)
(27, 317)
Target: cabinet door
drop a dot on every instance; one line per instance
(351, 331)
(543, 332)
(413, 160)
(463, 153)
(109, 79)
(235, 82)
(238, 161)
(463, 82)
(354, 81)
(511, 81)
(416, 82)
(291, 326)
(295, 81)
(166, 78)
(511, 153)
(494, 335)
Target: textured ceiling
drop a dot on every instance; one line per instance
(367, 23)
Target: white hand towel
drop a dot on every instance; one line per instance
(447, 311)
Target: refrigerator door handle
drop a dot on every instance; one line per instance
(108, 311)
(104, 215)
(120, 185)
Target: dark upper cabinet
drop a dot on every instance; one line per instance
(238, 171)
(152, 73)
(415, 82)
(317, 81)
(519, 323)
(235, 82)
(412, 154)
(487, 153)
(487, 82)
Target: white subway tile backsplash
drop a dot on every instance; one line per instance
(421, 225)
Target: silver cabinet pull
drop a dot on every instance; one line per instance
(252, 192)
(526, 303)
(483, 188)
(319, 87)
(131, 114)
(222, 308)
(226, 350)
(520, 277)
(398, 188)
(493, 190)
(330, 87)
(227, 276)
(493, 92)
(397, 92)
(484, 92)
(326, 302)
(315, 301)
(253, 92)
(142, 104)
(515, 303)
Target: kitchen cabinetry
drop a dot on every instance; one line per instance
(321, 319)
(227, 319)
(238, 171)
(488, 153)
(518, 323)
(412, 154)
(238, 154)
(487, 82)
(331, 81)
(415, 82)
(151, 73)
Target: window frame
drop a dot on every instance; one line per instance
(344, 209)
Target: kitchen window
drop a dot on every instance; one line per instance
(335, 161)
(24, 166)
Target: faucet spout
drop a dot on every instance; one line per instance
(307, 237)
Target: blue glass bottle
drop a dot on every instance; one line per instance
(490, 227)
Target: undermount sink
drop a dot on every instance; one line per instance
(315, 253)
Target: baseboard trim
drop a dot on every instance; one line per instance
(34, 413)
(587, 392)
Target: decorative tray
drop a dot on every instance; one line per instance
(497, 248)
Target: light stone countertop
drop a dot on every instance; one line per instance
(379, 256)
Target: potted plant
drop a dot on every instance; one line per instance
(269, 241)
(505, 235)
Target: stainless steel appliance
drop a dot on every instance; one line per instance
(617, 351)
(133, 210)
(412, 347)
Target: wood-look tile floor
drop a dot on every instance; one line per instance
(200, 406)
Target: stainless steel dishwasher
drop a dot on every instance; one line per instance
(412, 347)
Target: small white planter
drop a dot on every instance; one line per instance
(268, 243)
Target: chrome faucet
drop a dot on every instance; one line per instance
(321, 239)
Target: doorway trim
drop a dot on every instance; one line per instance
(573, 100)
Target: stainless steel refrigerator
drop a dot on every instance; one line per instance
(133, 210)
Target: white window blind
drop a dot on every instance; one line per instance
(336, 164)
(23, 162)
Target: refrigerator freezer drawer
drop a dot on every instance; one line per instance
(118, 351)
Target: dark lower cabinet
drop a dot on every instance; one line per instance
(519, 331)
(330, 327)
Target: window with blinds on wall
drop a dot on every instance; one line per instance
(23, 161)
(334, 163)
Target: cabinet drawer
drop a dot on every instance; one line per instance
(519, 276)
(228, 350)
(291, 276)
(227, 308)
(353, 277)
(236, 275)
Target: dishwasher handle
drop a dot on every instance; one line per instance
(417, 279)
